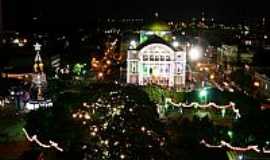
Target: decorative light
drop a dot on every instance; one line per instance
(35, 139)
(100, 74)
(87, 116)
(196, 104)
(37, 47)
(93, 134)
(74, 115)
(256, 84)
(143, 128)
(224, 144)
(108, 62)
(122, 156)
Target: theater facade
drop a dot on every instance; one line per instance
(155, 60)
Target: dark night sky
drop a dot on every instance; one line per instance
(19, 12)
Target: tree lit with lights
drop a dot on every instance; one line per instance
(117, 129)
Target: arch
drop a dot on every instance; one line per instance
(156, 49)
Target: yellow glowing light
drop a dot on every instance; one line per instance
(93, 134)
(74, 115)
(35, 67)
(195, 53)
(256, 84)
(108, 62)
(86, 116)
(143, 128)
(80, 115)
(100, 74)
(41, 66)
(122, 156)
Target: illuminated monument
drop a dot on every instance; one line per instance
(156, 58)
(39, 84)
(39, 81)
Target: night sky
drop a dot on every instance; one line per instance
(80, 11)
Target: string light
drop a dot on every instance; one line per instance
(103, 66)
(101, 116)
(231, 105)
(224, 144)
(34, 138)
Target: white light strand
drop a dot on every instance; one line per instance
(35, 139)
(234, 148)
(209, 105)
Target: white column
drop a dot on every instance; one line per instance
(140, 73)
(171, 81)
(128, 73)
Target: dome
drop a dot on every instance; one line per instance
(157, 25)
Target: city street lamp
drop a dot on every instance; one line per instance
(195, 53)
(175, 44)
(133, 44)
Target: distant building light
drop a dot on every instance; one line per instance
(33, 105)
(265, 37)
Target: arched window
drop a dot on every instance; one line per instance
(162, 58)
(151, 58)
(145, 57)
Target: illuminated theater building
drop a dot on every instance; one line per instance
(156, 59)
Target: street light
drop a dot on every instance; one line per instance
(203, 94)
(195, 53)
(175, 44)
(132, 44)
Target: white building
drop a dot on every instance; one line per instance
(157, 62)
